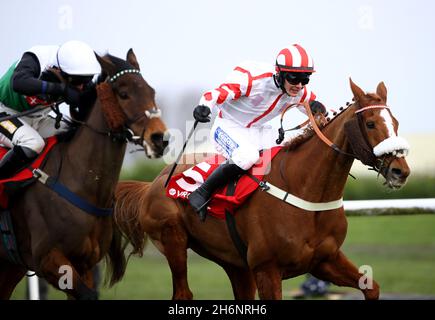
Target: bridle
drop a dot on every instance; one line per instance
(126, 134)
(359, 144)
(375, 162)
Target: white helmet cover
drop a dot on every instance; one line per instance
(77, 58)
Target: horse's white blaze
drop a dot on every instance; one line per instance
(394, 144)
(388, 122)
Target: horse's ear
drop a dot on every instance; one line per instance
(358, 93)
(106, 65)
(381, 91)
(131, 58)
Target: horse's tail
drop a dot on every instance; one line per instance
(116, 261)
(131, 197)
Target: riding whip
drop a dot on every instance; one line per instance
(27, 112)
(181, 153)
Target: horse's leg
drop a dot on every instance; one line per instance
(269, 281)
(10, 276)
(88, 279)
(52, 267)
(342, 272)
(242, 281)
(174, 242)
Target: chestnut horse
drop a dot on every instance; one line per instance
(54, 235)
(282, 240)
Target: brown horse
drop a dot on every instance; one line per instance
(52, 234)
(282, 240)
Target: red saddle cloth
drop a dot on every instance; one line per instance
(26, 173)
(183, 184)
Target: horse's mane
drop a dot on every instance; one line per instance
(308, 132)
(299, 139)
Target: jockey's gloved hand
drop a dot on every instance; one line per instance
(202, 113)
(71, 95)
(317, 107)
(53, 90)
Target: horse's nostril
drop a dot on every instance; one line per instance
(159, 141)
(157, 138)
(396, 171)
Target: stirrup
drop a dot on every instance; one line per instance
(202, 211)
(202, 214)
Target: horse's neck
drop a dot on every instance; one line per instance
(92, 159)
(315, 169)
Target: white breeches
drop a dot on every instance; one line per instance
(28, 131)
(240, 144)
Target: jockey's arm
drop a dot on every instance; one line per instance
(234, 87)
(25, 79)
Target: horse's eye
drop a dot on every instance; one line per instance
(123, 95)
(370, 124)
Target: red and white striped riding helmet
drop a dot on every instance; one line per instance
(294, 59)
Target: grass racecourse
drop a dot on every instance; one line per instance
(399, 249)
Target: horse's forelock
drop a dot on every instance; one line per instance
(373, 97)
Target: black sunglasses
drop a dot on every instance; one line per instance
(297, 77)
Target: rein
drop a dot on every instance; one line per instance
(320, 133)
(313, 122)
(281, 130)
(370, 158)
(294, 200)
(153, 113)
(317, 130)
